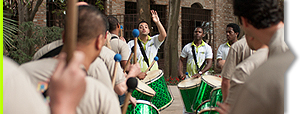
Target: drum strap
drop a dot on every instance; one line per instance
(52, 53)
(113, 37)
(195, 59)
(143, 52)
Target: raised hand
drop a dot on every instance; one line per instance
(155, 17)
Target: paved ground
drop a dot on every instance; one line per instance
(177, 106)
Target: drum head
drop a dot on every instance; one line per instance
(189, 83)
(212, 80)
(152, 76)
(146, 102)
(145, 89)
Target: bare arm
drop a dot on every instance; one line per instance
(180, 64)
(225, 87)
(220, 63)
(207, 66)
(160, 27)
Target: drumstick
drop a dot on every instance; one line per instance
(127, 63)
(135, 34)
(117, 58)
(121, 30)
(131, 84)
(71, 28)
(155, 59)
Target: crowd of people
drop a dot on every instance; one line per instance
(253, 67)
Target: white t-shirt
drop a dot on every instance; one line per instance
(223, 51)
(151, 48)
(203, 52)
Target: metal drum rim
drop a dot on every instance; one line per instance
(188, 87)
(156, 78)
(213, 86)
(209, 109)
(148, 103)
(145, 92)
(214, 90)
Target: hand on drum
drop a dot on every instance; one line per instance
(133, 101)
(142, 75)
(196, 75)
(134, 70)
(181, 76)
(223, 108)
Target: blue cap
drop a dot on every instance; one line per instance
(121, 26)
(186, 73)
(156, 58)
(118, 57)
(135, 32)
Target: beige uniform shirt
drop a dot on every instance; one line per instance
(19, 95)
(263, 91)
(45, 49)
(119, 46)
(98, 98)
(237, 53)
(107, 56)
(243, 71)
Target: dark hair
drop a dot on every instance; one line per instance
(260, 13)
(113, 22)
(142, 22)
(200, 27)
(235, 27)
(91, 23)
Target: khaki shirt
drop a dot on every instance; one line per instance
(263, 91)
(119, 46)
(99, 71)
(19, 95)
(45, 49)
(237, 53)
(104, 72)
(98, 98)
(243, 71)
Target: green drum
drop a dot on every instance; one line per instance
(188, 89)
(142, 107)
(143, 92)
(156, 81)
(208, 83)
(216, 96)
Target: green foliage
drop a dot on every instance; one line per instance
(10, 28)
(26, 46)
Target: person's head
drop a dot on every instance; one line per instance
(232, 32)
(198, 33)
(259, 13)
(143, 28)
(254, 43)
(92, 27)
(113, 23)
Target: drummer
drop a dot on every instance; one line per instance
(150, 44)
(89, 41)
(246, 67)
(263, 91)
(203, 56)
(118, 44)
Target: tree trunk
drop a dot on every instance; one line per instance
(171, 44)
(143, 10)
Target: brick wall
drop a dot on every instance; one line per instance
(40, 16)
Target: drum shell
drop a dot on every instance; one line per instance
(203, 94)
(216, 96)
(162, 98)
(189, 92)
